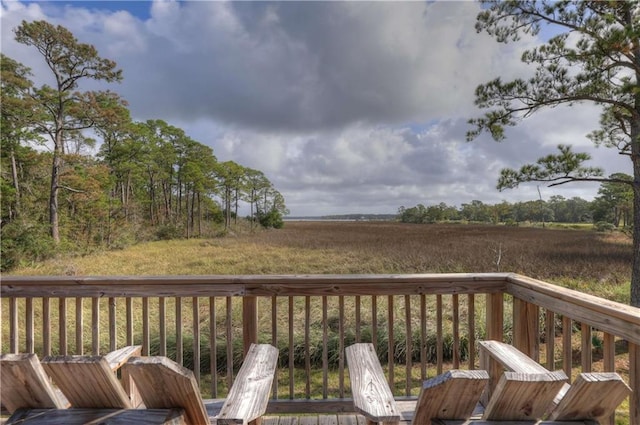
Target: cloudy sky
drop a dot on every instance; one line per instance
(347, 107)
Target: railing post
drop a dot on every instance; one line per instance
(634, 383)
(495, 316)
(249, 322)
(526, 327)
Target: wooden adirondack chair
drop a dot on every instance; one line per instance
(523, 392)
(28, 392)
(169, 391)
(453, 395)
(592, 396)
(91, 381)
(246, 402)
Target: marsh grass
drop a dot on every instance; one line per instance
(598, 263)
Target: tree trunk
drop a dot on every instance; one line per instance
(55, 180)
(235, 219)
(16, 186)
(635, 271)
(252, 218)
(635, 158)
(199, 216)
(193, 208)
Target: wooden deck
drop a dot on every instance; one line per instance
(344, 418)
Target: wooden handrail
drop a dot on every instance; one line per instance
(252, 285)
(616, 318)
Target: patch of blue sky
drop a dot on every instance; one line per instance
(141, 9)
(421, 127)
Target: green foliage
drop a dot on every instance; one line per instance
(24, 244)
(271, 220)
(431, 214)
(299, 353)
(557, 209)
(167, 232)
(555, 169)
(603, 226)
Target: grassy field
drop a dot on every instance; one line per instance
(597, 263)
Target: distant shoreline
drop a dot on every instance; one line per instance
(345, 217)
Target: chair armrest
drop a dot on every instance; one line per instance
(372, 396)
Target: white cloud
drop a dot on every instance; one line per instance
(346, 106)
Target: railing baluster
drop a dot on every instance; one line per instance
(274, 339)
(455, 312)
(374, 321)
(80, 326)
(29, 325)
(62, 328)
(341, 346)
(1, 321)
(95, 326)
(13, 326)
(196, 338)
(213, 347)
(439, 338)
(113, 336)
(390, 341)
(325, 354)
(423, 337)
(129, 313)
(46, 326)
(358, 318)
(229, 336)
(307, 350)
(408, 344)
(162, 325)
(634, 383)
(471, 308)
(609, 365)
(585, 346)
(291, 350)
(550, 333)
(146, 348)
(179, 338)
(567, 352)
(609, 352)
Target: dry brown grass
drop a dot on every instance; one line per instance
(583, 259)
(593, 262)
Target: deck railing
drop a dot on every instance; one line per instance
(421, 325)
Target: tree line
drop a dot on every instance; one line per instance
(144, 180)
(612, 208)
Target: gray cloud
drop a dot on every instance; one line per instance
(346, 106)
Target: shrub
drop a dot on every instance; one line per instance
(168, 232)
(24, 243)
(604, 226)
(272, 219)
